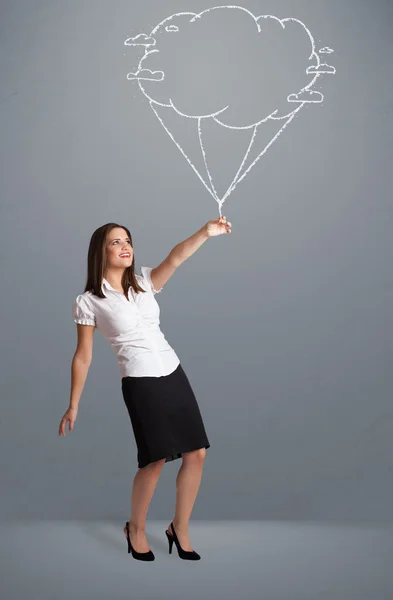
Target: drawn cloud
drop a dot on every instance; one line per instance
(140, 40)
(147, 75)
(228, 67)
(306, 96)
(326, 50)
(319, 69)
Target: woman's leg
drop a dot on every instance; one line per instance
(187, 486)
(144, 484)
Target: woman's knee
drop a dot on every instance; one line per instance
(159, 463)
(195, 455)
(156, 464)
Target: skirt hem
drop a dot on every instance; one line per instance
(173, 455)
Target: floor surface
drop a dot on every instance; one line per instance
(240, 561)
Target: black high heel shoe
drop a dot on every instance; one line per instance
(186, 554)
(138, 555)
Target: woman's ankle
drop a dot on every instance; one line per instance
(137, 528)
(180, 526)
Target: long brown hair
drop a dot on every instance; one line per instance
(97, 262)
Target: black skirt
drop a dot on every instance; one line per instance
(165, 416)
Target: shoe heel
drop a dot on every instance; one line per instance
(170, 540)
(128, 537)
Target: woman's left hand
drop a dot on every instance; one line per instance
(217, 227)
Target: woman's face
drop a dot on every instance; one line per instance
(118, 243)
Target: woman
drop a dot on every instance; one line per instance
(163, 410)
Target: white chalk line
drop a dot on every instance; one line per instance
(182, 151)
(236, 180)
(242, 164)
(258, 157)
(205, 161)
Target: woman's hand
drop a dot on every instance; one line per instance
(217, 227)
(70, 418)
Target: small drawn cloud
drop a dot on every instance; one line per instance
(140, 40)
(306, 96)
(326, 50)
(171, 28)
(322, 68)
(147, 75)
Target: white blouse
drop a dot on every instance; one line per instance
(132, 327)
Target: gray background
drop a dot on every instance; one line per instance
(284, 327)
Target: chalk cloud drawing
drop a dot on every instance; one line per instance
(147, 75)
(224, 51)
(322, 68)
(306, 96)
(140, 40)
(326, 50)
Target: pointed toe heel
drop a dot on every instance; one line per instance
(185, 554)
(138, 555)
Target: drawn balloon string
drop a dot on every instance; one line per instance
(187, 27)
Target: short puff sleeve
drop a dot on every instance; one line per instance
(82, 312)
(146, 273)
